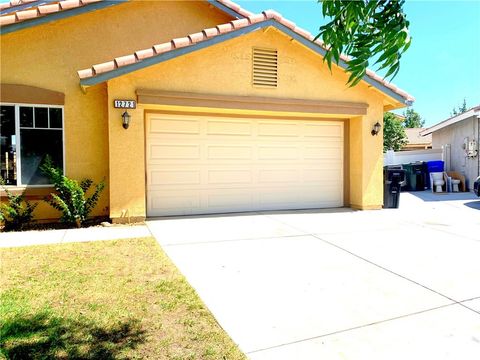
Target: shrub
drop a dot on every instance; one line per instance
(17, 213)
(70, 197)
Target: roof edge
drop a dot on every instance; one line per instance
(453, 120)
(230, 8)
(178, 47)
(37, 12)
(16, 26)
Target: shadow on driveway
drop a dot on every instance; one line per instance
(427, 195)
(473, 204)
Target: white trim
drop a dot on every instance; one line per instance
(453, 120)
(32, 105)
(18, 138)
(17, 143)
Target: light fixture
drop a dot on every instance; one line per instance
(376, 128)
(125, 119)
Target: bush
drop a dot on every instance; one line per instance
(70, 197)
(17, 213)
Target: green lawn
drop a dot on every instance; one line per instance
(104, 300)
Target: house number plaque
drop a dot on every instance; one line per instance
(124, 104)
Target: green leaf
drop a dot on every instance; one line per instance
(364, 29)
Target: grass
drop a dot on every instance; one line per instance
(104, 300)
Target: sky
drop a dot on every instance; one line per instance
(442, 66)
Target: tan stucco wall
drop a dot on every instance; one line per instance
(48, 56)
(226, 69)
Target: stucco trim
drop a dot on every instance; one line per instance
(30, 194)
(159, 97)
(25, 94)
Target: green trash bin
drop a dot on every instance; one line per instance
(411, 181)
(418, 176)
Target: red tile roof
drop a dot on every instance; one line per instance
(38, 11)
(206, 34)
(13, 3)
(235, 7)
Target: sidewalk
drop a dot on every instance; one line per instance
(97, 233)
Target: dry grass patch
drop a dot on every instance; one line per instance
(106, 300)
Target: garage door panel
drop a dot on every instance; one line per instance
(231, 128)
(282, 175)
(174, 177)
(278, 152)
(226, 152)
(321, 175)
(174, 126)
(323, 130)
(176, 204)
(285, 199)
(275, 129)
(212, 165)
(243, 199)
(329, 198)
(164, 152)
(323, 152)
(230, 177)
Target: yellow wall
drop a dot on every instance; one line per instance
(225, 69)
(48, 56)
(97, 146)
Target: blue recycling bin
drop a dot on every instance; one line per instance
(434, 166)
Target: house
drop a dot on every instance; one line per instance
(459, 136)
(227, 110)
(400, 118)
(415, 141)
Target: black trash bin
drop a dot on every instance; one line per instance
(417, 176)
(410, 182)
(393, 178)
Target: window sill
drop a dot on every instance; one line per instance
(38, 192)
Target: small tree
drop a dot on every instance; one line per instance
(413, 119)
(461, 109)
(17, 213)
(70, 197)
(394, 137)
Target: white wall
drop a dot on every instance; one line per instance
(405, 157)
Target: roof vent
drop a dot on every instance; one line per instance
(265, 67)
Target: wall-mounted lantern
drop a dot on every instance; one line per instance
(376, 128)
(126, 120)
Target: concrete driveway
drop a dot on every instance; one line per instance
(339, 284)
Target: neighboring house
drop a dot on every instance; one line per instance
(234, 111)
(417, 141)
(399, 117)
(459, 136)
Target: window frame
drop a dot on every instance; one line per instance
(17, 107)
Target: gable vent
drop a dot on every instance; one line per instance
(265, 67)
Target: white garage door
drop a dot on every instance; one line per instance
(201, 164)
